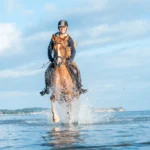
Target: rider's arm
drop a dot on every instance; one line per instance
(50, 48)
(73, 50)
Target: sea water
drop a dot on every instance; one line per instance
(89, 130)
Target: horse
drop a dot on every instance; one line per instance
(63, 88)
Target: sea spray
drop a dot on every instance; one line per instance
(88, 115)
(68, 112)
(79, 112)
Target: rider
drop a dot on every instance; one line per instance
(73, 69)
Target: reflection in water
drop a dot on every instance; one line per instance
(62, 137)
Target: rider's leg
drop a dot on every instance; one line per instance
(47, 80)
(77, 76)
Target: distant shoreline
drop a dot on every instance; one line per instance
(40, 110)
(113, 109)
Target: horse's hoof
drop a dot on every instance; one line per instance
(56, 120)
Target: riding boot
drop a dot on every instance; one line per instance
(48, 71)
(45, 91)
(81, 90)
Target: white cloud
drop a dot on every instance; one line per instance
(40, 36)
(18, 73)
(127, 55)
(10, 39)
(14, 5)
(108, 33)
(21, 71)
(7, 94)
(91, 6)
(30, 65)
(95, 41)
(130, 58)
(132, 28)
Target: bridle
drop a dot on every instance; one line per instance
(62, 58)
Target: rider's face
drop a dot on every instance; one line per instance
(63, 29)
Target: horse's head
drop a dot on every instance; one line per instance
(61, 50)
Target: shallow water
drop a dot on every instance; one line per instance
(120, 130)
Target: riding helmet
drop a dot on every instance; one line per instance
(62, 23)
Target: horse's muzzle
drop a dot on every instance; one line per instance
(58, 61)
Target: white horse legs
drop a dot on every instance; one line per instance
(55, 116)
(69, 113)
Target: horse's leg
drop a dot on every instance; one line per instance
(69, 109)
(70, 113)
(55, 116)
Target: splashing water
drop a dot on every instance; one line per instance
(87, 115)
(79, 112)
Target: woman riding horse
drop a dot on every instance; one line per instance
(72, 67)
(62, 75)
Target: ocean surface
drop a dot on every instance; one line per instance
(90, 130)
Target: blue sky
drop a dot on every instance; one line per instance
(113, 50)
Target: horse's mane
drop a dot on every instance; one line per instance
(64, 44)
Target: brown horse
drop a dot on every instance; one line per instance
(63, 88)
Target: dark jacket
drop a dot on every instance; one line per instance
(70, 43)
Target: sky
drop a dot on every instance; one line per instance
(113, 50)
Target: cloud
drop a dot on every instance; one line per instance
(89, 13)
(12, 6)
(94, 41)
(18, 73)
(10, 39)
(91, 5)
(39, 36)
(127, 55)
(21, 71)
(129, 58)
(113, 33)
(132, 28)
(97, 19)
(7, 94)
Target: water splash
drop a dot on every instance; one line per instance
(87, 115)
(80, 112)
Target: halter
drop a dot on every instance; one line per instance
(62, 58)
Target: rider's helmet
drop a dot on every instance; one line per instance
(62, 23)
